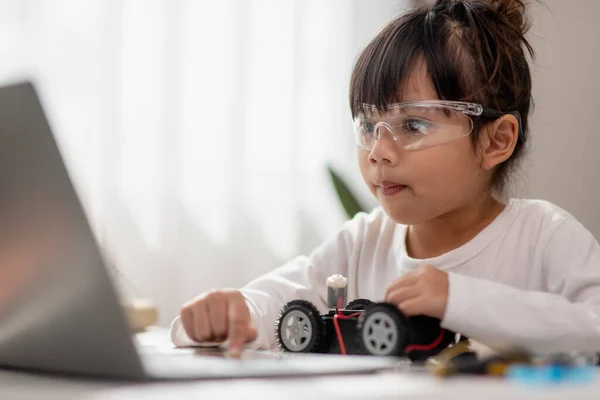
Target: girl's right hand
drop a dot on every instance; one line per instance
(218, 315)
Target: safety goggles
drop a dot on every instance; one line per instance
(420, 124)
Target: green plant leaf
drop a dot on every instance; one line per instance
(349, 201)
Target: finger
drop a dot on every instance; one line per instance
(412, 307)
(404, 281)
(201, 322)
(239, 320)
(400, 295)
(187, 320)
(217, 313)
(252, 333)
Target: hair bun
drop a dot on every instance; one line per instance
(513, 12)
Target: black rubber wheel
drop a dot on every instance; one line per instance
(358, 304)
(300, 328)
(426, 331)
(383, 330)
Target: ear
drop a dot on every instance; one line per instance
(498, 141)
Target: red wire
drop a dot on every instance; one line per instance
(336, 325)
(424, 347)
(339, 334)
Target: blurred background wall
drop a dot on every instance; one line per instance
(564, 162)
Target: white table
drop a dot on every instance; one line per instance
(15, 385)
(397, 385)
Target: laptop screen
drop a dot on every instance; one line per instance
(58, 308)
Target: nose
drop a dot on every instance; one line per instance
(384, 149)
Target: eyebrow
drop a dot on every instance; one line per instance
(425, 110)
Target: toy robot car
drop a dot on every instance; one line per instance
(360, 327)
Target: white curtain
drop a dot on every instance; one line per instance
(197, 132)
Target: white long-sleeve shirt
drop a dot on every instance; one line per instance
(530, 279)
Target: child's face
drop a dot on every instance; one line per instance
(432, 181)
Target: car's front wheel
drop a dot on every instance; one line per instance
(300, 327)
(384, 331)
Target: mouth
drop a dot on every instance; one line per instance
(388, 188)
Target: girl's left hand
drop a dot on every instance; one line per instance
(423, 291)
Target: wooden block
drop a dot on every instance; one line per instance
(141, 313)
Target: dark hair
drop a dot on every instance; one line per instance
(474, 50)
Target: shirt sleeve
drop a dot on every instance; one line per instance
(566, 317)
(302, 278)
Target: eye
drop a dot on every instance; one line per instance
(364, 131)
(367, 128)
(416, 126)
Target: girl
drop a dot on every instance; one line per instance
(440, 100)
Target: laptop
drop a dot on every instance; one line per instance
(59, 310)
